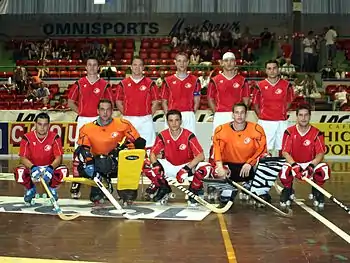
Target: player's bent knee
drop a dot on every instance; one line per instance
(322, 173)
(285, 172)
(22, 176)
(59, 173)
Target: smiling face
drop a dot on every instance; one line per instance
(181, 62)
(137, 67)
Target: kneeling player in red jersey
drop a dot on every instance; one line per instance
(40, 155)
(304, 150)
(183, 157)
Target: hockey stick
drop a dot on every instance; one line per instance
(200, 200)
(113, 201)
(325, 193)
(55, 204)
(233, 183)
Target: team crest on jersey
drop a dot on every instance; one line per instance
(114, 134)
(221, 81)
(84, 85)
(266, 87)
(182, 147)
(306, 142)
(278, 91)
(129, 85)
(47, 148)
(236, 85)
(174, 82)
(247, 140)
(96, 90)
(188, 85)
(143, 88)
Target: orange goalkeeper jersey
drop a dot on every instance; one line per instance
(239, 146)
(103, 139)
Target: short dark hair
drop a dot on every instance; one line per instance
(92, 58)
(173, 112)
(138, 58)
(239, 104)
(104, 101)
(42, 115)
(271, 61)
(303, 106)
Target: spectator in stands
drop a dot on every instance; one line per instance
(236, 35)
(160, 80)
(195, 57)
(62, 104)
(42, 93)
(46, 104)
(266, 37)
(287, 49)
(215, 38)
(46, 49)
(248, 57)
(108, 71)
(175, 41)
(288, 69)
(43, 70)
(206, 58)
(330, 38)
(55, 50)
(310, 90)
(340, 98)
(31, 95)
(205, 39)
(226, 39)
(328, 72)
(309, 46)
(33, 50)
(20, 79)
(204, 80)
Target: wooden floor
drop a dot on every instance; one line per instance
(243, 235)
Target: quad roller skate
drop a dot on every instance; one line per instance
(191, 201)
(150, 192)
(286, 198)
(242, 195)
(212, 194)
(266, 197)
(163, 194)
(75, 191)
(318, 199)
(29, 196)
(127, 196)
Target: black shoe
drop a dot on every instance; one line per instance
(225, 199)
(286, 197)
(162, 191)
(75, 191)
(96, 195)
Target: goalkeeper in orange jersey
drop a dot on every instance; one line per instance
(99, 145)
(237, 147)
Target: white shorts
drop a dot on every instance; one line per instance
(171, 170)
(188, 121)
(274, 131)
(144, 125)
(221, 118)
(80, 123)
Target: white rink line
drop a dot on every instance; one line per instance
(320, 218)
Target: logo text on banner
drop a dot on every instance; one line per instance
(66, 131)
(337, 138)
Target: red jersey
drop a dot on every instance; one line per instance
(287, 50)
(303, 148)
(177, 151)
(273, 99)
(137, 97)
(87, 95)
(180, 93)
(227, 92)
(41, 152)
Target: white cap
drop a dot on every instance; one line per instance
(228, 55)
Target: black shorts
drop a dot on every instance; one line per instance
(235, 169)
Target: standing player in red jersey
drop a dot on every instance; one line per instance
(137, 99)
(181, 91)
(183, 157)
(83, 99)
(304, 150)
(272, 98)
(225, 90)
(40, 155)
